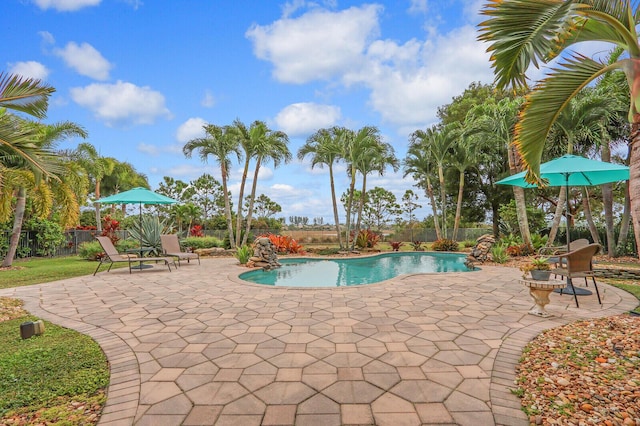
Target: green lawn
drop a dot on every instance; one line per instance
(42, 270)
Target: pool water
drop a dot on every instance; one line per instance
(355, 271)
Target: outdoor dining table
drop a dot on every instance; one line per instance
(142, 252)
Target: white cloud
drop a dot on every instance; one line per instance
(305, 118)
(65, 5)
(85, 59)
(47, 37)
(29, 69)
(208, 101)
(418, 6)
(317, 45)
(187, 171)
(122, 103)
(191, 129)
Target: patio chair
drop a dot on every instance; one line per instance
(171, 247)
(112, 256)
(578, 264)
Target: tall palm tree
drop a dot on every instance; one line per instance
(324, 147)
(97, 168)
(419, 163)
(267, 145)
(525, 32)
(357, 149)
(246, 140)
(377, 159)
(219, 144)
(495, 123)
(48, 190)
(462, 159)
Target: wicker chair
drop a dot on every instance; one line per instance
(578, 264)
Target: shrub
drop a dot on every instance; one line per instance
(499, 253)
(444, 244)
(92, 250)
(367, 239)
(395, 245)
(109, 228)
(201, 242)
(284, 244)
(196, 231)
(244, 253)
(417, 245)
(468, 243)
(519, 250)
(48, 236)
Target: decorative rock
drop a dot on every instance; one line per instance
(481, 252)
(264, 254)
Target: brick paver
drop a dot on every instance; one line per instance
(198, 346)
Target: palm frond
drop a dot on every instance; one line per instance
(546, 101)
(27, 95)
(523, 32)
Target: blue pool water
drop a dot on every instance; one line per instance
(355, 271)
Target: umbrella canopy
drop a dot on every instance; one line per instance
(572, 170)
(137, 196)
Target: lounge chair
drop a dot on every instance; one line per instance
(578, 264)
(112, 255)
(171, 247)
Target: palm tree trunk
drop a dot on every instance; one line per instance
(624, 225)
(352, 187)
(18, 217)
(336, 218)
(227, 206)
(240, 199)
(607, 201)
(634, 177)
(254, 185)
(443, 200)
(361, 204)
(97, 207)
(562, 196)
(456, 221)
(589, 217)
(432, 199)
(518, 195)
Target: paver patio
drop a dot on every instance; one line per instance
(198, 346)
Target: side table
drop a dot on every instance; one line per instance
(539, 291)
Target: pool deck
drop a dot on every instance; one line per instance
(197, 346)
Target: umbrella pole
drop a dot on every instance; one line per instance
(140, 235)
(569, 280)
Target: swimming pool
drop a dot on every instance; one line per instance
(355, 271)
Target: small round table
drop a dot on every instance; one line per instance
(539, 291)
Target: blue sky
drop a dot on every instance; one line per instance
(142, 77)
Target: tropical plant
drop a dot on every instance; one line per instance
(284, 244)
(524, 32)
(147, 232)
(110, 228)
(325, 147)
(219, 144)
(499, 253)
(243, 254)
(366, 239)
(417, 245)
(445, 244)
(395, 245)
(419, 164)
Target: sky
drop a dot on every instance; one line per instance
(143, 77)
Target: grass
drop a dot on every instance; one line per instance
(58, 377)
(42, 270)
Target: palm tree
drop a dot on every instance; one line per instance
(525, 32)
(377, 159)
(419, 164)
(324, 147)
(463, 158)
(495, 123)
(26, 179)
(267, 145)
(220, 145)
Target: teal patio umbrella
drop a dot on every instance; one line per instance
(572, 170)
(138, 196)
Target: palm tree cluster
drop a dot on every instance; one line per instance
(255, 143)
(364, 152)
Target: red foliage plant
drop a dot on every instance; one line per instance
(196, 231)
(395, 245)
(285, 244)
(109, 228)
